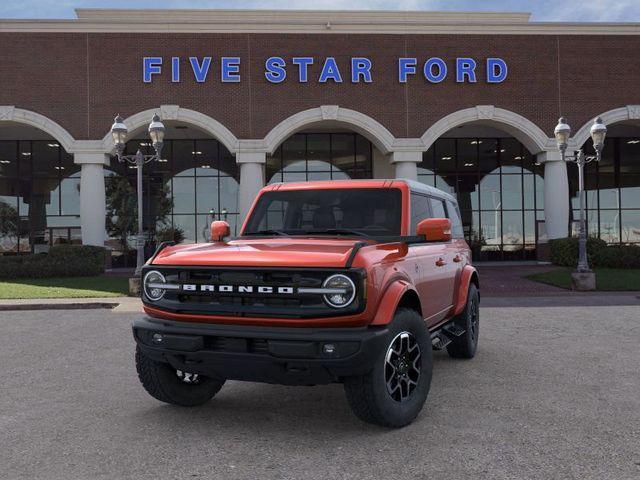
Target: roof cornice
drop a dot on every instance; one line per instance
(314, 22)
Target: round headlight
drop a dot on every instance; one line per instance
(344, 291)
(152, 285)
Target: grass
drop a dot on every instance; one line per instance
(72, 287)
(607, 279)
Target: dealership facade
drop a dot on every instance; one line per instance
(466, 102)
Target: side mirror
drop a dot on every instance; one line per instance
(219, 230)
(435, 229)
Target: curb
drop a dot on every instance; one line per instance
(57, 306)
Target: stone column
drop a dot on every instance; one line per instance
(556, 194)
(92, 196)
(406, 164)
(251, 179)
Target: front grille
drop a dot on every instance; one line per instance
(253, 304)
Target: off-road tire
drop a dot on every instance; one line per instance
(368, 395)
(161, 381)
(466, 345)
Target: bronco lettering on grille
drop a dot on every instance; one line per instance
(191, 287)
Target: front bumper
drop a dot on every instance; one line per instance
(283, 355)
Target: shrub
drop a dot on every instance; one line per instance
(564, 251)
(61, 261)
(618, 256)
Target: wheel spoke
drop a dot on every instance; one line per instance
(402, 366)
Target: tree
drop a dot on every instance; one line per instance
(9, 221)
(122, 210)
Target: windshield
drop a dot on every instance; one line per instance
(350, 211)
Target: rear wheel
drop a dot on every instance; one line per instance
(176, 387)
(466, 345)
(394, 391)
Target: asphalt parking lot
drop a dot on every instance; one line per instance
(554, 392)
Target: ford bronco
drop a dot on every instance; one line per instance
(352, 281)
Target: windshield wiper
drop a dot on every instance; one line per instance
(338, 231)
(268, 232)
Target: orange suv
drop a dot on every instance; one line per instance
(338, 281)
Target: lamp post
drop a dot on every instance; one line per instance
(562, 133)
(119, 133)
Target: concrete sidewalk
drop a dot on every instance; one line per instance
(117, 304)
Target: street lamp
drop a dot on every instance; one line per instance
(562, 133)
(119, 133)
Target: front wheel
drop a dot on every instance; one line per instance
(169, 385)
(394, 391)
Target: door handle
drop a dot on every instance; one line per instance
(457, 259)
(440, 262)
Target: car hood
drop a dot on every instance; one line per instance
(263, 252)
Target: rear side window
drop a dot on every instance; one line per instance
(456, 222)
(419, 210)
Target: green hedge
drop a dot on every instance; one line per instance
(61, 261)
(564, 252)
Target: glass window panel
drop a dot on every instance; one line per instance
(467, 192)
(539, 192)
(67, 167)
(318, 151)
(512, 192)
(44, 197)
(314, 176)
(511, 156)
(25, 159)
(348, 175)
(207, 195)
(293, 153)
(467, 151)
(609, 198)
(273, 166)
(630, 196)
(343, 153)
(228, 164)
(610, 226)
(629, 155)
(8, 191)
(445, 156)
(70, 196)
(203, 228)
(528, 191)
(294, 177)
(529, 227)
(446, 184)
(45, 159)
(8, 159)
(488, 149)
(364, 160)
(512, 228)
(490, 192)
(206, 157)
(437, 208)
(471, 226)
(182, 158)
(427, 163)
(183, 195)
(229, 194)
(427, 180)
(491, 229)
(66, 221)
(630, 226)
(186, 223)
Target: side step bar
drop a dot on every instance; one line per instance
(443, 336)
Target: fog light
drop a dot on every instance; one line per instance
(329, 348)
(157, 338)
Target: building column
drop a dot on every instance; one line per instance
(406, 164)
(93, 203)
(556, 194)
(251, 179)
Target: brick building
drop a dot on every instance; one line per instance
(463, 101)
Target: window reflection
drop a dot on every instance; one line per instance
(320, 156)
(39, 196)
(499, 189)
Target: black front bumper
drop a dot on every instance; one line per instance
(288, 356)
